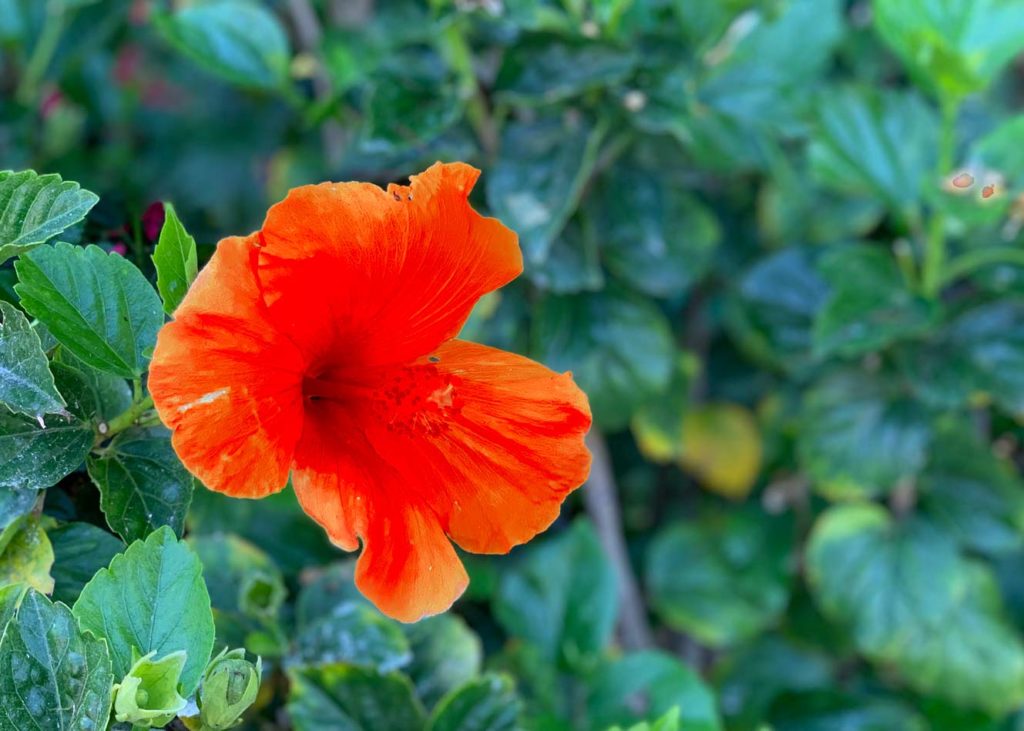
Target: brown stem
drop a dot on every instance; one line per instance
(600, 495)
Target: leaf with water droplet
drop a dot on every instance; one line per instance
(52, 674)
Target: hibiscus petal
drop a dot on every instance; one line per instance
(355, 273)
(226, 382)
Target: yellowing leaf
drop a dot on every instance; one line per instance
(722, 448)
(28, 556)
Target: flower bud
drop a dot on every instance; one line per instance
(148, 695)
(230, 686)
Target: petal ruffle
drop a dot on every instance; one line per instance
(355, 273)
(226, 382)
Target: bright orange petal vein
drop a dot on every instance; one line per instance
(226, 383)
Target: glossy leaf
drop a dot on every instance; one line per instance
(488, 703)
(52, 674)
(347, 697)
(34, 208)
(175, 259)
(26, 384)
(151, 598)
(914, 603)
(445, 654)
(547, 69)
(142, 485)
(723, 580)
(354, 634)
(239, 41)
(97, 305)
(79, 550)
(561, 597)
(618, 347)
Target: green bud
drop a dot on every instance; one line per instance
(261, 594)
(148, 695)
(230, 685)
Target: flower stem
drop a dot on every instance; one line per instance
(932, 276)
(134, 415)
(42, 53)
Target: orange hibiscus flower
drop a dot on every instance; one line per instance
(323, 346)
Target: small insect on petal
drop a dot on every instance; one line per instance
(963, 180)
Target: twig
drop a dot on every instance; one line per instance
(309, 34)
(600, 496)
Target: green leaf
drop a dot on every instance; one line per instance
(646, 684)
(980, 354)
(175, 259)
(52, 674)
(723, 580)
(561, 596)
(445, 654)
(861, 437)
(152, 598)
(239, 41)
(762, 73)
(348, 698)
(953, 47)
(755, 675)
(14, 506)
(10, 599)
(232, 567)
(35, 208)
(870, 306)
(101, 395)
(618, 346)
(976, 497)
(536, 184)
(913, 603)
(655, 238)
(999, 150)
(546, 69)
(875, 143)
(142, 485)
(26, 383)
(354, 634)
(778, 299)
(79, 550)
(488, 703)
(329, 587)
(34, 457)
(97, 305)
(28, 556)
(828, 710)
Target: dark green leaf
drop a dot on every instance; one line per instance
(536, 184)
(236, 40)
(354, 634)
(829, 710)
(445, 654)
(649, 684)
(619, 348)
(544, 69)
(32, 457)
(35, 208)
(26, 384)
(142, 485)
(485, 704)
(561, 596)
(656, 238)
(861, 437)
(52, 675)
(880, 144)
(722, 580)
(914, 603)
(870, 306)
(175, 260)
(347, 698)
(79, 550)
(152, 598)
(97, 305)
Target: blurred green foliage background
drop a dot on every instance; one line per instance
(778, 242)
